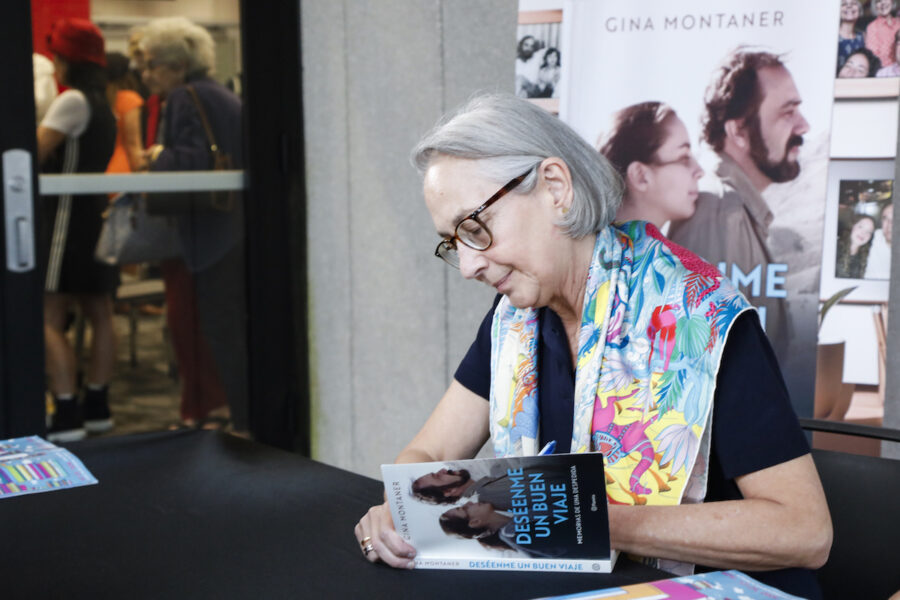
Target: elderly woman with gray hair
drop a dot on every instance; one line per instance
(608, 337)
(205, 287)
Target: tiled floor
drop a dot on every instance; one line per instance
(144, 397)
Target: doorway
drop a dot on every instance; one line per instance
(147, 376)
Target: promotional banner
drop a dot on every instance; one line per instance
(717, 113)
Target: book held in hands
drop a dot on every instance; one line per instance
(534, 513)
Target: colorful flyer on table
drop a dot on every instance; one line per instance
(716, 585)
(29, 465)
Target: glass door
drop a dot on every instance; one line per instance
(160, 340)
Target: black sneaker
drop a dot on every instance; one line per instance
(97, 418)
(66, 424)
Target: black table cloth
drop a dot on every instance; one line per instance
(194, 514)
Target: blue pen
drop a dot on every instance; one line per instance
(548, 449)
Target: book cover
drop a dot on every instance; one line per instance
(29, 465)
(535, 513)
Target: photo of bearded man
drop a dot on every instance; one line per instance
(754, 123)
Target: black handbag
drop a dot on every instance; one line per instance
(178, 203)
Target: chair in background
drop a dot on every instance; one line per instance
(863, 494)
(133, 294)
(880, 315)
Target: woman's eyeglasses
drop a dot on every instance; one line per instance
(472, 231)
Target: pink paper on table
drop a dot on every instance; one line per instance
(677, 591)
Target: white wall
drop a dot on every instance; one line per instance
(388, 321)
(864, 128)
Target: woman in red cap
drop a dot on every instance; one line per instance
(77, 135)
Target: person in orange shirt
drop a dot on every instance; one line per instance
(126, 104)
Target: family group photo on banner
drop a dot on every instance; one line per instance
(718, 116)
(868, 40)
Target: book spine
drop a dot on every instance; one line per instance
(518, 564)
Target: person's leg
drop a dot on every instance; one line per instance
(98, 310)
(59, 355)
(201, 392)
(221, 304)
(66, 424)
(178, 321)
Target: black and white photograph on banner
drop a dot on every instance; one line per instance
(539, 55)
(736, 103)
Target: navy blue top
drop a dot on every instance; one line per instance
(754, 425)
(206, 236)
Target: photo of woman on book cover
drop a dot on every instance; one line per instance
(495, 529)
(449, 486)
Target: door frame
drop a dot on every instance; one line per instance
(22, 407)
(276, 224)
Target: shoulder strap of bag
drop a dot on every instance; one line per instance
(209, 133)
(219, 201)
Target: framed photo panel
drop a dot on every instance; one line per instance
(857, 236)
(540, 53)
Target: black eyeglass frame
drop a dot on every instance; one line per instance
(450, 242)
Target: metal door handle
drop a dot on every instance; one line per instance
(18, 209)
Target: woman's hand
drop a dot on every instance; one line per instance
(152, 153)
(378, 540)
(456, 429)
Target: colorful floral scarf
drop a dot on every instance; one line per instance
(655, 322)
